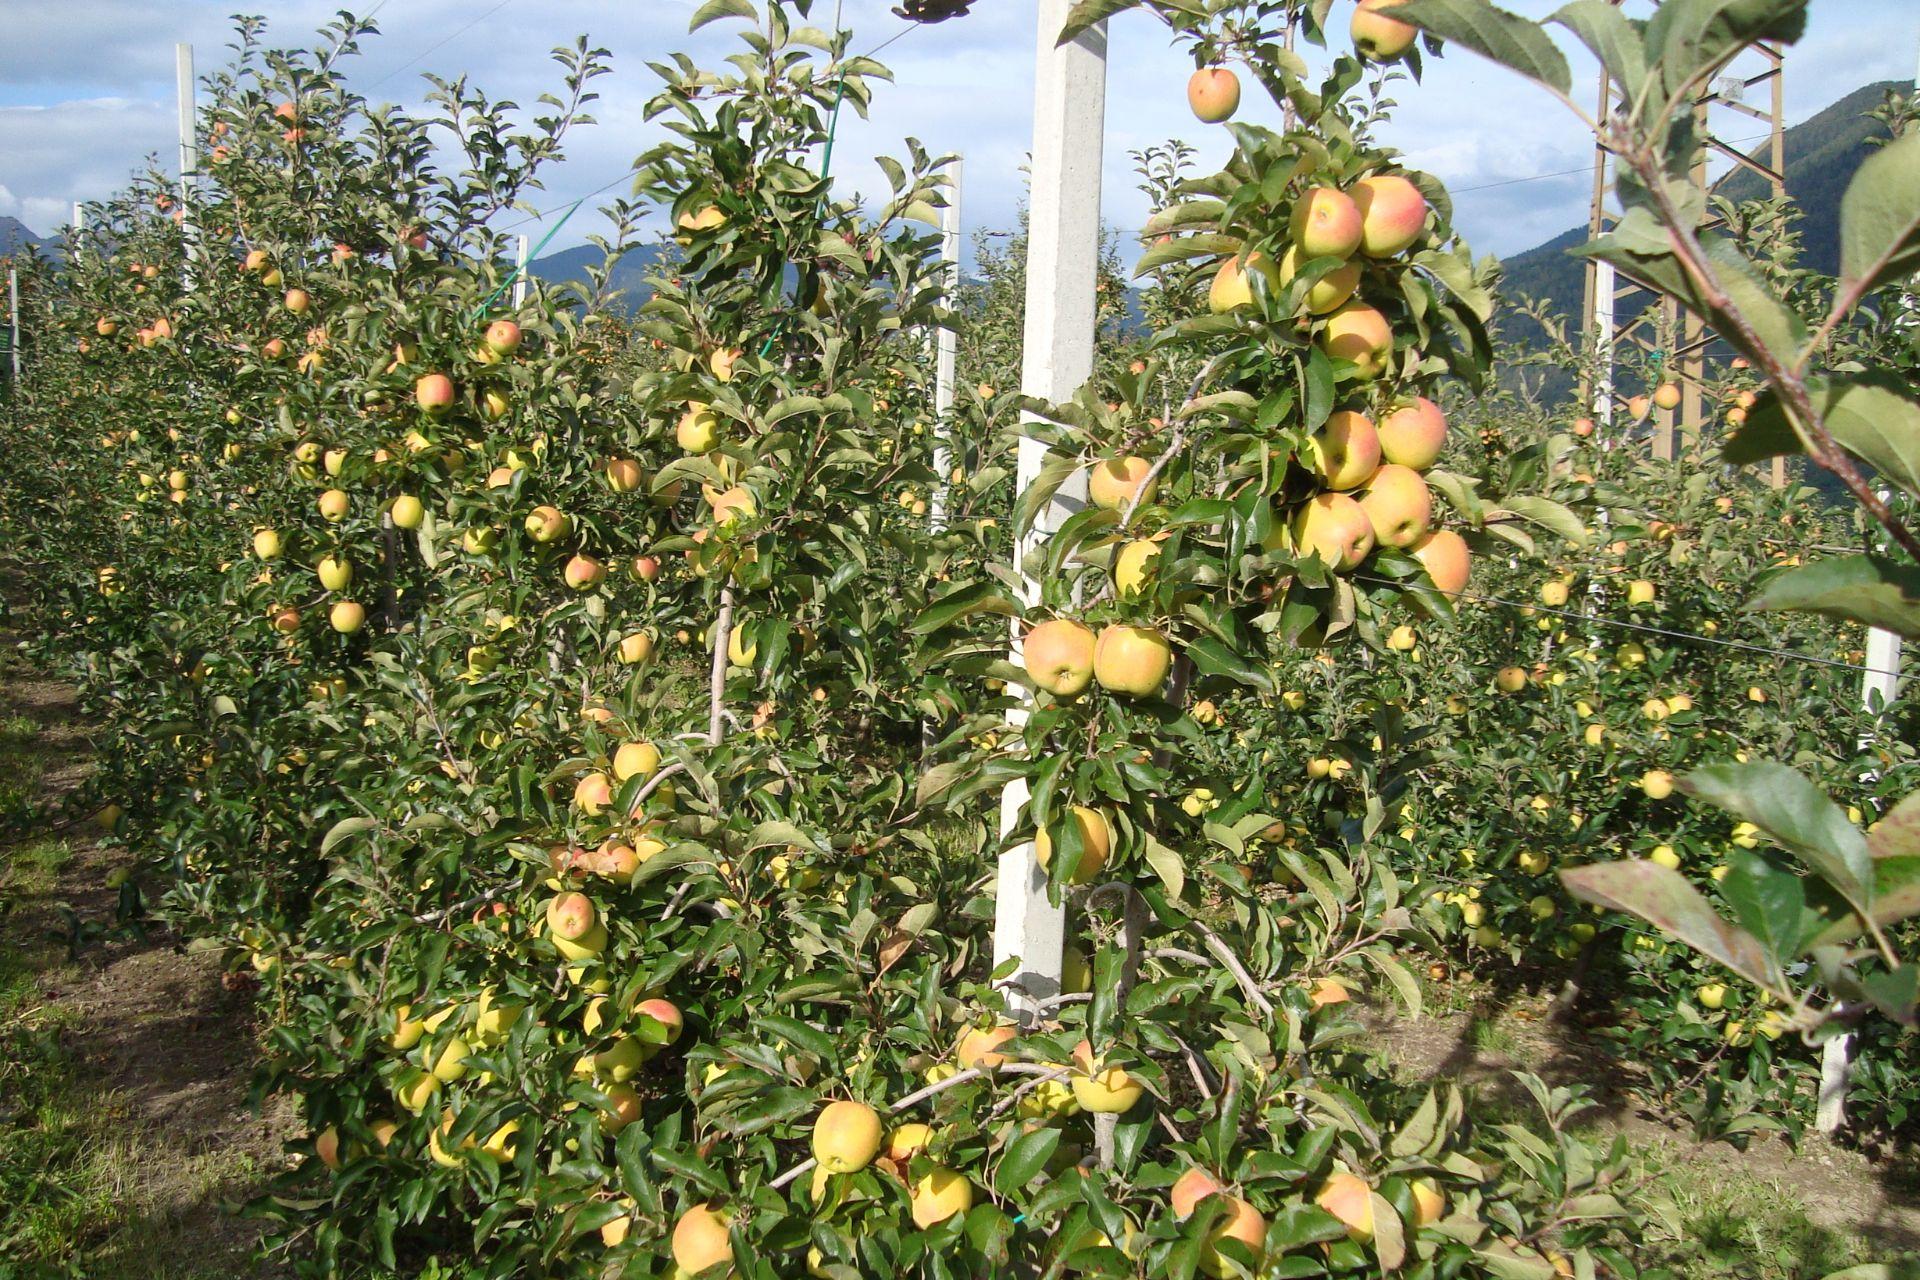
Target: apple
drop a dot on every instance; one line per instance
(298, 301)
(699, 430)
(1214, 94)
(623, 475)
(646, 568)
(1190, 1188)
(256, 260)
(285, 619)
(1132, 660)
(334, 461)
(700, 1240)
(1326, 223)
(1335, 528)
(635, 760)
(846, 1136)
(503, 337)
(1665, 855)
(1393, 213)
(1640, 591)
(1360, 335)
(723, 362)
(347, 617)
(1510, 679)
(1413, 434)
(1330, 292)
(433, 392)
(479, 541)
(636, 648)
(592, 793)
(266, 544)
(1712, 995)
(1429, 1202)
(1443, 554)
(1115, 482)
(1101, 1089)
(547, 524)
(939, 1194)
(335, 572)
(1666, 396)
(976, 1046)
(732, 506)
(1349, 1199)
(571, 916)
(326, 1147)
(333, 505)
(1244, 1225)
(1553, 594)
(1657, 784)
(1232, 287)
(273, 349)
(1059, 656)
(1403, 639)
(658, 1023)
(1346, 450)
(583, 571)
(1398, 505)
(1096, 845)
(1378, 38)
(407, 512)
(706, 218)
(494, 406)
(1132, 567)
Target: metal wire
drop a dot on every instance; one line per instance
(433, 47)
(1596, 620)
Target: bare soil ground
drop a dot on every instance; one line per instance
(130, 1055)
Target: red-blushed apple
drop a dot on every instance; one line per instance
(1214, 94)
(583, 571)
(1666, 396)
(1112, 483)
(1134, 660)
(1349, 1199)
(646, 568)
(1331, 291)
(1399, 506)
(1096, 846)
(1059, 656)
(333, 505)
(1377, 37)
(1393, 213)
(503, 337)
(1346, 450)
(732, 506)
(1333, 527)
(1232, 287)
(1414, 434)
(1360, 335)
(1190, 1188)
(592, 793)
(1326, 223)
(548, 524)
(1444, 555)
(977, 1046)
(433, 392)
(700, 1240)
(298, 301)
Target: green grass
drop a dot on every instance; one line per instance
(1736, 1226)
(1489, 1036)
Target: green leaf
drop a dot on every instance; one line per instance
(1873, 417)
(1026, 1156)
(1871, 590)
(1212, 657)
(1798, 815)
(1898, 834)
(1546, 513)
(1880, 216)
(1404, 983)
(960, 602)
(1613, 40)
(1506, 38)
(1503, 1264)
(1769, 902)
(1689, 37)
(1089, 13)
(1665, 900)
(714, 10)
(345, 829)
(1168, 866)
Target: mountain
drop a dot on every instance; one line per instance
(629, 274)
(1822, 154)
(14, 237)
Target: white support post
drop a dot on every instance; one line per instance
(1603, 290)
(520, 274)
(189, 154)
(946, 352)
(1063, 244)
(13, 323)
(79, 216)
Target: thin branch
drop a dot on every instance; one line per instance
(1231, 963)
(717, 681)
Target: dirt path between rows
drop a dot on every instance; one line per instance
(153, 1137)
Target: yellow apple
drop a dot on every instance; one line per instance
(846, 1136)
(1059, 656)
(1326, 223)
(1213, 93)
(1330, 292)
(1114, 482)
(1377, 37)
(939, 1194)
(1399, 506)
(1345, 452)
(1133, 660)
(1096, 845)
(1232, 287)
(1335, 528)
(1393, 212)
(700, 1239)
(1413, 435)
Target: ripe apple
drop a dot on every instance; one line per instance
(1114, 482)
(1360, 335)
(1666, 396)
(1059, 656)
(976, 1046)
(407, 512)
(1133, 660)
(1101, 1089)
(1444, 555)
(733, 505)
(273, 349)
(1429, 1202)
(547, 524)
(706, 218)
(503, 337)
(1640, 591)
(623, 475)
(571, 916)
(636, 648)
(592, 793)
(479, 541)
(1712, 995)
(285, 619)
(1398, 505)
(256, 260)
(433, 392)
(847, 1136)
(1096, 845)
(1214, 94)
(1335, 528)
(1349, 1199)
(1244, 1225)
(1330, 292)
(335, 572)
(1132, 567)
(700, 1240)
(1346, 450)
(635, 760)
(1326, 223)
(723, 362)
(1510, 679)
(334, 461)
(646, 568)
(347, 617)
(582, 572)
(494, 405)
(699, 430)
(1393, 211)
(1666, 856)
(1657, 784)
(266, 544)
(1378, 38)
(298, 301)
(658, 1023)
(333, 505)
(938, 1194)
(1232, 286)
(1413, 434)
(1193, 1186)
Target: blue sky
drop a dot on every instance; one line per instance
(86, 93)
